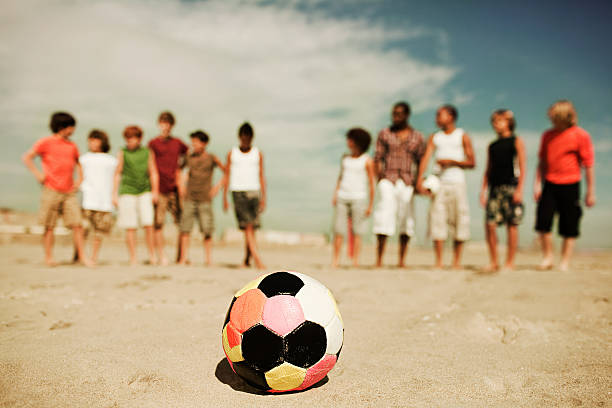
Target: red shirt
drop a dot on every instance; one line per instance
(59, 156)
(564, 152)
(167, 151)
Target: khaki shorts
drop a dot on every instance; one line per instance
(167, 202)
(449, 210)
(353, 209)
(200, 210)
(54, 204)
(99, 221)
(135, 210)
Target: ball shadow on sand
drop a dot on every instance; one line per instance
(226, 375)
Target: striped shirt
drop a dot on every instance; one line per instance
(399, 158)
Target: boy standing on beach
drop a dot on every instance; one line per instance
(564, 149)
(168, 151)
(399, 149)
(248, 186)
(135, 190)
(354, 193)
(60, 157)
(504, 205)
(449, 208)
(198, 194)
(98, 174)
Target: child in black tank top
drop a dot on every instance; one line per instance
(504, 202)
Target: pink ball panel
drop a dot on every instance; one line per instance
(282, 314)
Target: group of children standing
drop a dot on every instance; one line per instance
(402, 159)
(144, 184)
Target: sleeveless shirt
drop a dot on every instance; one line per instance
(354, 178)
(449, 147)
(502, 154)
(244, 170)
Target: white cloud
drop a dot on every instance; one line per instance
(301, 78)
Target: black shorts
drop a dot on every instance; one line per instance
(565, 200)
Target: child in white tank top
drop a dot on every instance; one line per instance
(247, 183)
(449, 211)
(354, 193)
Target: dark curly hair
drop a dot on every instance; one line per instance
(361, 138)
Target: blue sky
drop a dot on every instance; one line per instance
(303, 72)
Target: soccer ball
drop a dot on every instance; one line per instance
(283, 332)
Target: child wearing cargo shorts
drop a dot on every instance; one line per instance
(198, 194)
(504, 178)
(60, 157)
(354, 193)
(97, 188)
(169, 151)
(135, 190)
(247, 183)
(449, 209)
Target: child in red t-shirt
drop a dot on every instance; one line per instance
(60, 157)
(169, 152)
(564, 149)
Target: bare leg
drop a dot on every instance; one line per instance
(356, 249)
(160, 243)
(179, 248)
(77, 236)
(337, 247)
(48, 241)
(75, 257)
(249, 233)
(247, 254)
(566, 253)
(380, 249)
(512, 246)
(130, 240)
(403, 246)
(184, 245)
(207, 250)
(439, 249)
(95, 247)
(457, 250)
(491, 234)
(547, 250)
(150, 239)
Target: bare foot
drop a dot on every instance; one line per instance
(546, 264)
(564, 266)
(88, 262)
(181, 262)
(50, 262)
(509, 267)
(133, 262)
(260, 265)
(164, 261)
(439, 266)
(491, 268)
(457, 267)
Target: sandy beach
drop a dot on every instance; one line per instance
(144, 336)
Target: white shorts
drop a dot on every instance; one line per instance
(135, 209)
(395, 207)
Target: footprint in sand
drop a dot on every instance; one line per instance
(145, 382)
(507, 330)
(60, 325)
